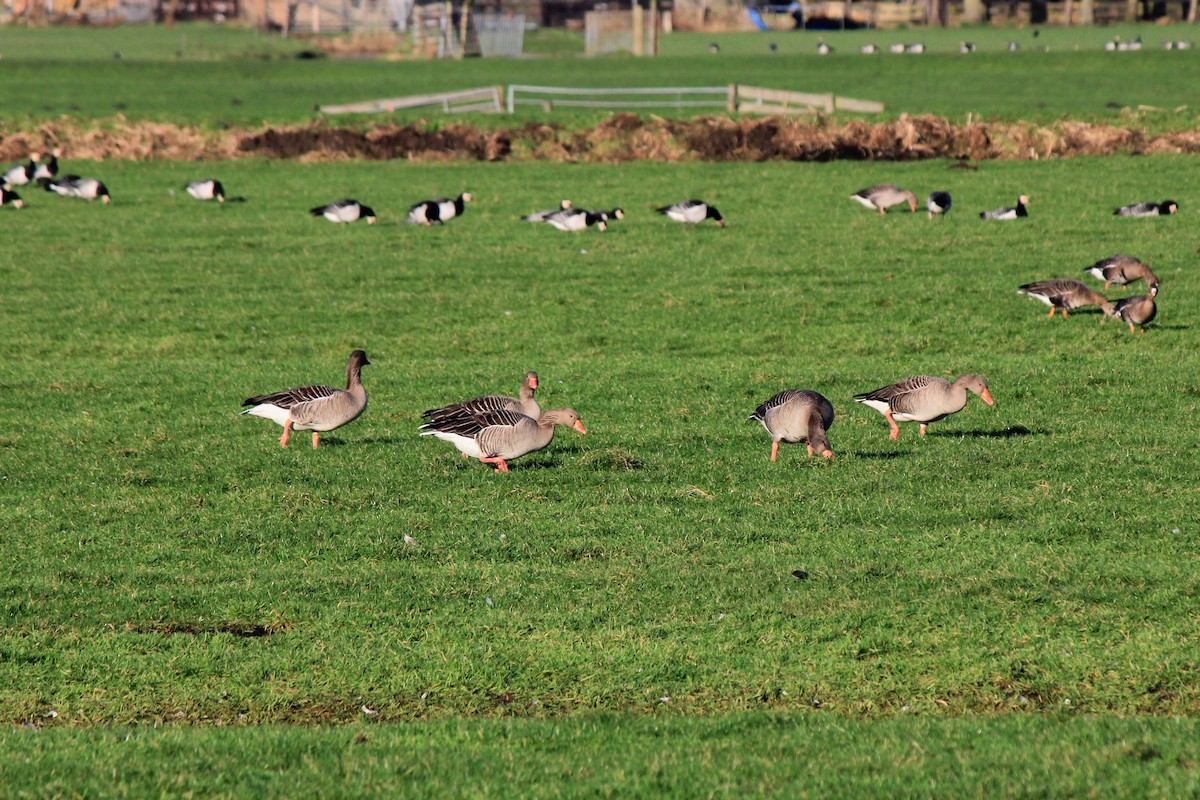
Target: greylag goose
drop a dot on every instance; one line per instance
(1120, 270)
(1149, 209)
(797, 415)
(522, 404)
(938, 203)
(9, 197)
(497, 437)
(206, 190)
(1013, 212)
(692, 212)
(75, 186)
(436, 212)
(574, 220)
(924, 399)
(883, 196)
(540, 216)
(345, 210)
(315, 408)
(1065, 293)
(1136, 311)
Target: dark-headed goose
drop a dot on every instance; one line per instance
(1013, 212)
(347, 210)
(523, 403)
(1065, 293)
(1148, 209)
(693, 212)
(1120, 269)
(75, 186)
(924, 399)
(540, 216)
(436, 212)
(1136, 311)
(577, 219)
(9, 197)
(797, 415)
(938, 203)
(883, 196)
(497, 437)
(315, 408)
(21, 174)
(47, 166)
(208, 189)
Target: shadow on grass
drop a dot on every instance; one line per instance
(887, 456)
(1006, 433)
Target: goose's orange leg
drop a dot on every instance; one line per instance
(287, 430)
(774, 450)
(895, 434)
(501, 464)
(316, 439)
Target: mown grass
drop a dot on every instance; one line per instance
(167, 562)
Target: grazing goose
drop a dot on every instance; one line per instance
(1008, 213)
(822, 48)
(75, 186)
(207, 190)
(497, 437)
(917, 48)
(21, 174)
(797, 415)
(966, 47)
(693, 212)
(540, 216)
(9, 197)
(1149, 209)
(1067, 294)
(1013, 47)
(436, 212)
(315, 408)
(938, 203)
(522, 404)
(347, 210)
(924, 399)
(883, 196)
(577, 219)
(1120, 270)
(47, 166)
(898, 47)
(868, 49)
(1136, 311)
(613, 213)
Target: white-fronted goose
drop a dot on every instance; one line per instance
(576, 219)
(497, 437)
(523, 403)
(315, 408)
(75, 186)
(1013, 212)
(924, 399)
(346, 210)
(1137, 311)
(1119, 270)
(938, 203)
(1065, 293)
(9, 197)
(208, 189)
(1149, 209)
(22, 174)
(693, 212)
(436, 212)
(540, 216)
(883, 196)
(797, 415)
(47, 166)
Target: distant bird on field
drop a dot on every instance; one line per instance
(523, 403)
(898, 47)
(1013, 47)
(883, 196)
(1120, 270)
(797, 415)
(822, 48)
(774, 48)
(9, 197)
(918, 48)
(938, 203)
(869, 49)
(923, 399)
(1008, 212)
(617, 213)
(693, 212)
(437, 212)
(540, 216)
(75, 186)
(47, 167)
(21, 174)
(714, 48)
(1066, 294)
(1182, 45)
(1148, 209)
(346, 210)
(206, 190)
(497, 437)
(966, 47)
(577, 219)
(1136, 311)
(315, 408)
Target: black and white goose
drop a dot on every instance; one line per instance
(822, 48)
(540, 216)
(612, 213)
(938, 203)
(1019, 210)
(1149, 209)
(47, 167)
(21, 174)
(577, 219)
(693, 212)
(206, 190)
(347, 210)
(436, 212)
(75, 186)
(10, 198)
(869, 49)
(966, 47)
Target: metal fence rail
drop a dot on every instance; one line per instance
(666, 97)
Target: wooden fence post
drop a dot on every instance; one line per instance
(732, 103)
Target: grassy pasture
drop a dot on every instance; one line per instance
(1027, 571)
